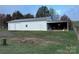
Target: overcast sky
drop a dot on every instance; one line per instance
(71, 10)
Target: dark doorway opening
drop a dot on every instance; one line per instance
(57, 26)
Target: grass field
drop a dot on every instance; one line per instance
(38, 42)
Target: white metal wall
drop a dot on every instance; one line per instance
(11, 26)
(33, 26)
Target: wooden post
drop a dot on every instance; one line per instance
(67, 26)
(4, 42)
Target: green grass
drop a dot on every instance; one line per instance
(61, 42)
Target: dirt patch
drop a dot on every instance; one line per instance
(33, 40)
(27, 40)
(78, 31)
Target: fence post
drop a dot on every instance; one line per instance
(4, 42)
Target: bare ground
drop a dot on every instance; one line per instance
(30, 40)
(33, 40)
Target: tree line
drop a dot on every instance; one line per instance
(43, 11)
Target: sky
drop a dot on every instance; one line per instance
(70, 10)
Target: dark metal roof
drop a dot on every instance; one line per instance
(48, 19)
(56, 21)
(31, 19)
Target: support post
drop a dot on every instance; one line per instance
(67, 26)
(4, 42)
